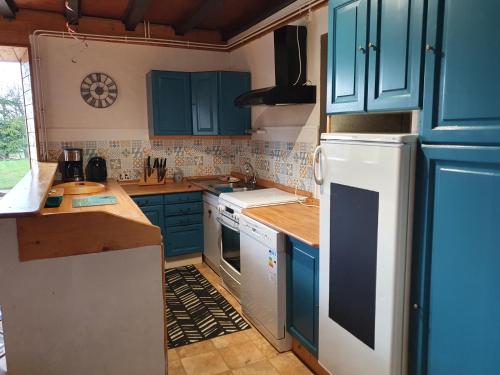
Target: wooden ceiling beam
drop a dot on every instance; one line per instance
(72, 11)
(8, 8)
(205, 10)
(135, 13)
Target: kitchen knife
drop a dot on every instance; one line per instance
(149, 166)
(155, 166)
(163, 168)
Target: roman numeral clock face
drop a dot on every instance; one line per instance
(98, 90)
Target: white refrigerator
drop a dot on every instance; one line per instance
(366, 193)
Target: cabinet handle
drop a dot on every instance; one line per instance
(372, 46)
(416, 307)
(362, 49)
(209, 213)
(429, 48)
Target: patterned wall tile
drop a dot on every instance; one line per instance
(282, 162)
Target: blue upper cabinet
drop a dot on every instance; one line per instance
(347, 40)
(204, 102)
(456, 285)
(375, 69)
(169, 103)
(232, 119)
(201, 103)
(214, 112)
(462, 80)
(395, 55)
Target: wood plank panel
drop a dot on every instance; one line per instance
(134, 189)
(68, 234)
(29, 195)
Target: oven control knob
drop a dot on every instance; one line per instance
(220, 207)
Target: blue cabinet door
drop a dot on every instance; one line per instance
(155, 215)
(169, 103)
(232, 119)
(461, 95)
(395, 54)
(185, 239)
(347, 43)
(303, 294)
(204, 102)
(456, 289)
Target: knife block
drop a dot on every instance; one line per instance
(151, 180)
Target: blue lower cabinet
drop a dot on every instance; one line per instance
(180, 217)
(148, 200)
(456, 285)
(302, 293)
(155, 214)
(185, 239)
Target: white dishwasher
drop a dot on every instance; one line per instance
(263, 281)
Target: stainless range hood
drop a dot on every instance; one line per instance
(290, 46)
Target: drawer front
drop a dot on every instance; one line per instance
(148, 200)
(183, 240)
(173, 221)
(183, 197)
(184, 209)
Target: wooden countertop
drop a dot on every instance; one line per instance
(29, 195)
(67, 231)
(125, 207)
(293, 219)
(134, 189)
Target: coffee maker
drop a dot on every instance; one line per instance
(72, 165)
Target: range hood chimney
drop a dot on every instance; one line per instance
(290, 67)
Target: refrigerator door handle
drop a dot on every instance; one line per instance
(318, 177)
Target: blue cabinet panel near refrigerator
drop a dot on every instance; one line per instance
(204, 102)
(346, 75)
(462, 80)
(303, 294)
(456, 284)
(169, 103)
(395, 56)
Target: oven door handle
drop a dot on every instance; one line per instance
(222, 222)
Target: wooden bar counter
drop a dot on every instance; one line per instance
(81, 289)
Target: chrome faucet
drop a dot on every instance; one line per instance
(250, 177)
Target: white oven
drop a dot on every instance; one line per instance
(366, 193)
(230, 268)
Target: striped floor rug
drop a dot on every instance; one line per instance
(196, 311)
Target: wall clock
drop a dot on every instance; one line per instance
(98, 90)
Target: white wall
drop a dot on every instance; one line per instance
(258, 58)
(69, 118)
(97, 313)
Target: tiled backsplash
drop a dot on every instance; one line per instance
(287, 163)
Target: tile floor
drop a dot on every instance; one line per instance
(242, 353)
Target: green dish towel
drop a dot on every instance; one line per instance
(100, 200)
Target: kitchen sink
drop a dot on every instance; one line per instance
(217, 187)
